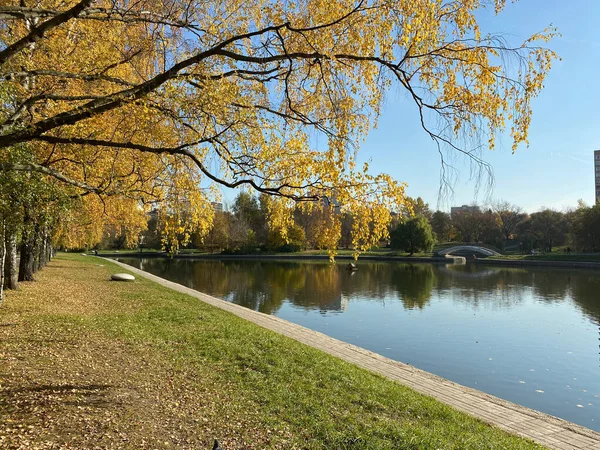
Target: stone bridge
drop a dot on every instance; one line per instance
(468, 251)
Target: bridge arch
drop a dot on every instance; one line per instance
(468, 250)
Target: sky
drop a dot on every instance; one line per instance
(557, 168)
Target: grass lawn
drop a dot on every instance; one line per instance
(85, 362)
(581, 257)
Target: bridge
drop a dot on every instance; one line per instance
(468, 251)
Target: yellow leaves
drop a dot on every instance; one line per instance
(184, 210)
(90, 219)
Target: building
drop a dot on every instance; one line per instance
(464, 208)
(217, 206)
(597, 173)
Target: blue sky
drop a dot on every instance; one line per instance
(557, 168)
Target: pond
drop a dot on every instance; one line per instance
(526, 335)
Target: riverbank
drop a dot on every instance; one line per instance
(499, 261)
(87, 362)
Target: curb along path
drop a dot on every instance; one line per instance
(547, 430)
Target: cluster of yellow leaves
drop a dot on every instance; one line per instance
(90, 219)
(187, 211)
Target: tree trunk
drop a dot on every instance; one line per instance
(2, 258)
(41, 246)
(27, 263)
(11, 269)
(48, 250)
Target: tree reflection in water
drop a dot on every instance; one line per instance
(315, 285)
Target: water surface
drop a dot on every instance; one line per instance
(526, 335)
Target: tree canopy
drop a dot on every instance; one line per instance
(164, 100)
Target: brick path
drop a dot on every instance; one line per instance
(547, 430)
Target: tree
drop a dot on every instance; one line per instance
(549, 228)
(151, 235)
(218, 236)
(468, 224)
(247, 209)
(179, 94)
(441, 224)
(10, 185)
(413, 235)
(509, 217)
(28, 207)
(490, 231)
(586, 228)
(292, 242)
(420, 208)
(346, 231)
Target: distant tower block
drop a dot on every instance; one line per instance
(597, 173)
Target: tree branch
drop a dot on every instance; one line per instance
(32, 167)
(38, 32)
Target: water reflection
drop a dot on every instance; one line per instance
(265, 285)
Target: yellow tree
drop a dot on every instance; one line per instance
(180, 94)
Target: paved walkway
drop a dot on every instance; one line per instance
(547, 430)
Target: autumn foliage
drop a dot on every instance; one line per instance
(155, 102)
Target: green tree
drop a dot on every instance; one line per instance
(491, 233)
(413, 235)
(293, 243)
(421, 209)
(218, 236)
(441, 224)
(586, 228)
(548, 229)
(248, 211)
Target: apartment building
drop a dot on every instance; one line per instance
(597, 173)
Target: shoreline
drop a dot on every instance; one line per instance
(287, 256)
(405, 259)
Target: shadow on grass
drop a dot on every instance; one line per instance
(59, 266)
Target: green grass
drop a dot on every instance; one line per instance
(555, 256)
(303, 397)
